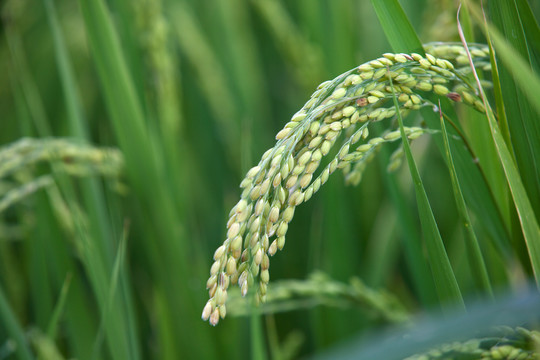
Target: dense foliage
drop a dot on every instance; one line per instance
(128, 127)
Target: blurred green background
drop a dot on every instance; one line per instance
(101, 264)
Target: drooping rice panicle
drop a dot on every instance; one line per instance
(71, 156)
(290, 172)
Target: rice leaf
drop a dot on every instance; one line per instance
(411, 240)
(519, 84)
(123, 104)
(476, 189)
(475, 254)
(526, 78)
(443, 275)
(14, 329)
(112, 291)
(530, 24)
(52, 328)
(527, 219)
(396, 26)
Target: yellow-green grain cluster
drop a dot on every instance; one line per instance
(72, 157)
(509, 344)
(339, 111)
(17, 181)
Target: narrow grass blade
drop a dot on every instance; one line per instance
(59, 308)
(526, 78)
(527, 219)
(473, 249)
(128, 24)
(467, 23)
(445, 280)
(499, 99)
(396, 26)
(530, 24)
(73, 103)
(412, 242)
(14, 329)
(123, 104)
(112, 291)
(256, 336)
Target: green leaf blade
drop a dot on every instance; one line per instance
(396, 26)
(477, 262)
(443, 275)
(524, 208)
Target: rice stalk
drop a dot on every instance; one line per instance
(163, 77)
(288, 174)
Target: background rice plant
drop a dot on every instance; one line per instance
(107, 257)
